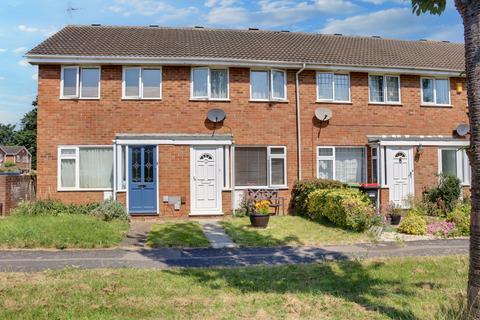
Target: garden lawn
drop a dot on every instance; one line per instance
(290, 230)
(64, 231)
(400, 288)
(177, 234)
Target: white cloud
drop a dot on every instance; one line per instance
(20, 50)
(23, 63)
(164, 10)
(379, 2)
(26, 28)
(2, 50)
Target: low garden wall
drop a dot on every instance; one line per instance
(13, 190)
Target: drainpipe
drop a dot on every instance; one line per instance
(232, 177)
(299, 131)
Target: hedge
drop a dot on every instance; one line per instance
(303, 188)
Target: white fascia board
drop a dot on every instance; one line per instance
(174, 142)
(424, 143)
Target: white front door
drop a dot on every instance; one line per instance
(206, 191)
(400, 175)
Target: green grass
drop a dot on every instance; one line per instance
(65, 231)
(401, 288)
(289, 230)
(177, 234)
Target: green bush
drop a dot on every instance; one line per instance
(460, 216)
(110, 210)
(445, 195)
(413, 223)
(302, 189)
(9, 164)
(346, 208)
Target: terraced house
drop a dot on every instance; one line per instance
(179, 121)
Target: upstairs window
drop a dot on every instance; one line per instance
(384, 89)
(80, 82)
(209, 83)
(268, 85)
(142, 83)
(435, 91)
(333, 87)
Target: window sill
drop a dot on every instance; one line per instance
(268, 101)
(141, 99)
(66, 98)
(208, 99)
(436, 105)
(84, 190)
(386, 104)
(333, 102)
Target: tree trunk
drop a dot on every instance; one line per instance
(470, 12)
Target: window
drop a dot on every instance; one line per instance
(346, 164)
(209, 83)
(122, 167)
(333, 87)
(374, 154)
(384, 89)
(454, 161)
(268, 85)
(85, 168)
(260, 166)
(80, 82)
(142, 83)
(435, 91)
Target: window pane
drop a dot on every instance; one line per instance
(277, 151)
(259, 84)
(393, 89)
(96, 167)
(442, 91)
(90, 81)
(325, 152)
(342, 87)
(67, 172)
(278, 84)
(374, 171)
(325, 86)
(219, 84)
(68, 152)
(251, 166)
(200, 82)
(350, 165)
(325, 169)
(375, 84)
(278, 171)
(449, 162)
(132, 76)
(151, 83)
(70, 81)
(427, 90)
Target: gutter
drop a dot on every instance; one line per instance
(299, 131)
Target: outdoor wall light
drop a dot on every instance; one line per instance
(459, 87)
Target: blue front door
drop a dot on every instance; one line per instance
(142, 187)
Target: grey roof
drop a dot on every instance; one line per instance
(12, 150)
(251, 45)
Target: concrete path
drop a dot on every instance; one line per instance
(26, 260)
(216, 234)
(137, 235)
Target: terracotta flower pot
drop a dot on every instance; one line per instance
(259, 220)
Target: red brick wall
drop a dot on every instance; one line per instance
(13, 189)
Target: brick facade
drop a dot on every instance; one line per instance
(95, 122)
(13, 189)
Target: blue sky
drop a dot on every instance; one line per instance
(25, 23)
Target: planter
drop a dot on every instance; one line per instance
(395, 220)
(259, 220)
(10, 173)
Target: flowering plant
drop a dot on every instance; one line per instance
(262, 207)
(441, 228)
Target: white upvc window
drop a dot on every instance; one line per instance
(80, 82)
(435, 91)
(346, 164)
(333, 87)
(85, 168)
(384, 89)
(454, 161)
(122, 154)
(210, 83)
(267, 85)
(261, 167)
(142, 83)
(375, 167)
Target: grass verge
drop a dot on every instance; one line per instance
(177, 234)
(400, 288)
(65, 231)
(289, 230)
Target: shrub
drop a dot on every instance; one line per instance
(346, 208)
(302, 189)
(247, 205)
(52, 208)
(460, 216)
(9, 164)
(413, 223)
(446, 194)
(441, 228)
(109, 210)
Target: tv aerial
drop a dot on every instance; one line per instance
(71, 9)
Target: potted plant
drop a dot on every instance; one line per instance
(259, 218)
(395, 214)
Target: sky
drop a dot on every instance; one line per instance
(25, 23)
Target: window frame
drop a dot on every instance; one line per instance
(333, 157)
(270, 84)
(434, 103)
(333, 100)
(140, 82)
(385, 95)
(463, 166)
(78, 84)
(209, 84)
(377, 158)
(76, 157)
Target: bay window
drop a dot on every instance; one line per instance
(435, 91)
(346, 164)
(333, 87)
(454, 161)
(209, 83)
(80, 82)
(260, 166)
(384, 89)
(268, 85)
(142, 83)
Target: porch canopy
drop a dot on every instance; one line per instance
(173, 139)
(416, 140)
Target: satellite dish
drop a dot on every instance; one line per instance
(323, 114)
(216, 115)
(462, 129)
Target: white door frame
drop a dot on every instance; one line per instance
(391, 151)
(217, 150)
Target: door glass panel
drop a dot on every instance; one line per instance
(136, 165)
(148, 164)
